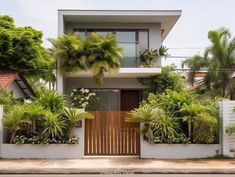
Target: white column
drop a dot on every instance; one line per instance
(59, 76)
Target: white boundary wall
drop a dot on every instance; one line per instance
(51, 151)
(227, 116)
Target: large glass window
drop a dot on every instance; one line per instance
(131, 41)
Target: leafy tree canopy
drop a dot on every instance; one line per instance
(168, 79)
(21, 47)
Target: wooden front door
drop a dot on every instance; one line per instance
(109, 134)
(130, 99)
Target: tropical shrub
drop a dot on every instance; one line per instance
(73, 115)
(44, 120)
(53, 126)
(84, 99)
(168, 79)
(14, 120)
(205, 128)
(51, 100)
(156, 123)
(7, 98)
(196, 119)
(165, 127)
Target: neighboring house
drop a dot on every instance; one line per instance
(136, 30)
(16, 83)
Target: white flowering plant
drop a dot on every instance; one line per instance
(84, 98)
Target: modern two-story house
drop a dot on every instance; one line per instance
(136, 30)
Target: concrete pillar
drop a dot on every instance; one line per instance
(59, 76)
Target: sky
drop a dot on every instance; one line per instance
(187, 38)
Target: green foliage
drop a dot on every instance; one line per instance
(53, 126)
(21, 47)
(172, 101)
(168, 79)
(51, 100)
(165, 127)
(148, 58)
(85, 99)
(177, 139)
(99, 54)
(156, 123)
(201, 117)
(6, 22)
(206, 127)
(219, 59)
(69, 49)
(230, 129)
(14, 119)
(7, 99)
(42, 140)
(72, 115)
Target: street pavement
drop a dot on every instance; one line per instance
(137, 175)
(116, 166)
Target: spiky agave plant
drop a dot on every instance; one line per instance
(148, 115)
(73, 115)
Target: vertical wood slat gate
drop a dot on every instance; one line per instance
(109, 134)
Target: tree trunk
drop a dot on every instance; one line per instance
(190, 129)
(12, 137)
(72, 132)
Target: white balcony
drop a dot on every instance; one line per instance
(122, 73)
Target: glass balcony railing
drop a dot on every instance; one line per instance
(131, 54)
(131, 59)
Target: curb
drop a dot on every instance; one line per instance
(120, 171)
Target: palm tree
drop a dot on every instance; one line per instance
(219, 59)
(146, 115)
(14, 119)
(190, 113)
(73, 115)
(194, 64)
(104, 57)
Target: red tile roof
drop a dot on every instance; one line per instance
(7, 77)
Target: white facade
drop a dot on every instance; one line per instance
(158, 24)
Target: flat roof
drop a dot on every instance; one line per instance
(167, 18)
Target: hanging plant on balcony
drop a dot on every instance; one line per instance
(96, 53)
(148, 58)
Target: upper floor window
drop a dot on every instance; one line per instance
(131, 41)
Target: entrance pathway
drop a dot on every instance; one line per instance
(118, 165)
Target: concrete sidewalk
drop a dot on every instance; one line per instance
(119, 165)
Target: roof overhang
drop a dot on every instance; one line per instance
(167, 18)
(122, 73)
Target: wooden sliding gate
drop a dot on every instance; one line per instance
(109, 134)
